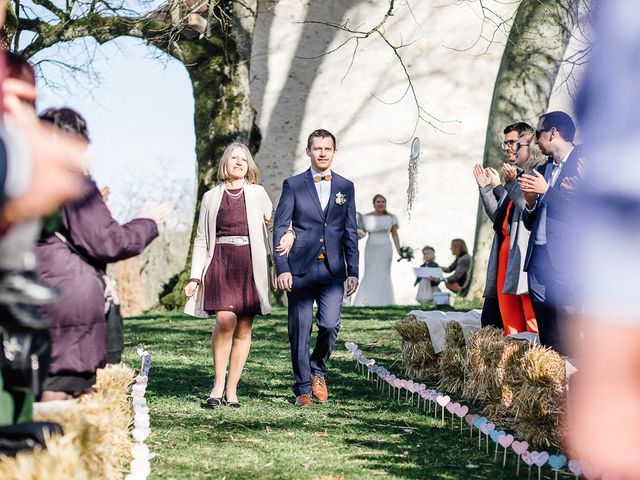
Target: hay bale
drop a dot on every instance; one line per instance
(58, 460)
(412, 330)
(540, 402)
(99, 424)
(507, 379)
(419, 359)
(453, 359)
(483, 355)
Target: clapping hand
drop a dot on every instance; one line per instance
(494, 176)
(58, 159)
(509, 172)
(570, 184)
(534, 183)
(481, 175)
(157, 213)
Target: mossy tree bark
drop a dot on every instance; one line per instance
(215, 50)
(530, 63)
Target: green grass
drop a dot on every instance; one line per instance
(356, 434)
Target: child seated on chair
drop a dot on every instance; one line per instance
(427, 285)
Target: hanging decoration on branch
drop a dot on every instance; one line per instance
(412, 190)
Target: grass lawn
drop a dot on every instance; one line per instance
(356, 434)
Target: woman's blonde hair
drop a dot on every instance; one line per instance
(536, 158)
(253, 174)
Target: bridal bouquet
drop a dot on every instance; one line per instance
(406, 253)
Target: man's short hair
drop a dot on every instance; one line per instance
(520, 127)
(321, 133)
(561, 122)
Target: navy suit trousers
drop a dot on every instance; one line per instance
(320, 286)
(545, 290)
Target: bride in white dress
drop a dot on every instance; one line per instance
(376, 288)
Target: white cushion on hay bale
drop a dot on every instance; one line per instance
(47, 408)
(437, 320)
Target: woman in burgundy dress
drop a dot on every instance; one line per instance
(229, 267)
(92, 239)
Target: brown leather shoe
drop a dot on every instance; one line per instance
(303, 400)
(319, 388)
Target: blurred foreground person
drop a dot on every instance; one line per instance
(605, 401)
(73, 259)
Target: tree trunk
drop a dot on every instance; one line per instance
(532, 57)
(219, 72)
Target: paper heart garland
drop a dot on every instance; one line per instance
(462, 411)
(519, 447)
(496, 434)
(575, 467)
(506, 441)
(470, 418)
(443, 400)
(539, 458)
(526, 458)
(478, 421)
(486, 428)
(452, 407)
(557, 461)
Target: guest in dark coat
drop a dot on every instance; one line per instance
(79, 329)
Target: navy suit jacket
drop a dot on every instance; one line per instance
(333, 231)
(557, 205)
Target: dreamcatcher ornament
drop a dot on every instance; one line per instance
(412, 190)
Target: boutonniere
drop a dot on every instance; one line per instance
(341, 198)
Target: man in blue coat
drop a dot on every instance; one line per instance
(548, 195)
(318, 207)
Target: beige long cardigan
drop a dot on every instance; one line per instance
(259, 210)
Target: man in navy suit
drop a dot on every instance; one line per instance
(548, 195)
(318, 208)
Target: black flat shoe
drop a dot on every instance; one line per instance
(213, 402)
(235, 405)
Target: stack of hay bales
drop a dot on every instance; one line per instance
(418, 356)
(96, 441)
(539, 402)
(453, 360)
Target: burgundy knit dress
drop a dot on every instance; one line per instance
(228, 283)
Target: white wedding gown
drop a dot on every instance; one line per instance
(376, 288)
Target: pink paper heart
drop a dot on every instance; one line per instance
(443, 400)
(539, 458)
(462, 411)
(469, 418)
(519, 447)
(452, 407)
(526, 458)
(505, 440)
(575, 467)
(486, 428)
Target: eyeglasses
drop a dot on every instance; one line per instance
(519, 145)
(508, 144)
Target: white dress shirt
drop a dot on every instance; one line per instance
(323, 188)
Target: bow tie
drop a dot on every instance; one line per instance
(319, 178)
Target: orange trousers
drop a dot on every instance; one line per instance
(516, 310)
